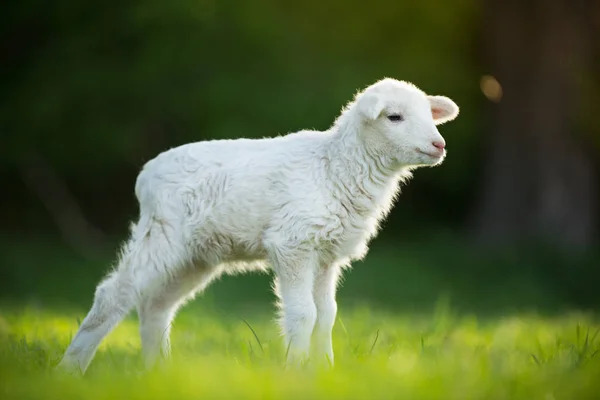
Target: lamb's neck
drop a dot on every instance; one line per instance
(368, 178)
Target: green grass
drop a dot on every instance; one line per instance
(439, 355)
(509, 326)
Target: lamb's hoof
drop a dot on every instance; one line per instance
(325, 363)
(297, 362)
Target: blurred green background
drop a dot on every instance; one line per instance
(92, 90)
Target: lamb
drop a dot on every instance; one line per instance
(305, 204)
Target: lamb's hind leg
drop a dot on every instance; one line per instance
(149, 258)
(157, 310)
(114, 298)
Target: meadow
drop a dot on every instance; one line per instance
(92, 90)
(420, 333)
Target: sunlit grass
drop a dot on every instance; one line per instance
(378, 355)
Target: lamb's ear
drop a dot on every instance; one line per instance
(443, 109)
(370, 106)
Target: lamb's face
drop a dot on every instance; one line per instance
(401, 119)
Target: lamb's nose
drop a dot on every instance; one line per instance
(439, 145)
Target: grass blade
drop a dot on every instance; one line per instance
(374, 342)
(255, 336)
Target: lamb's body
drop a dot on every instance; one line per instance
(306, 203)
(228, 199)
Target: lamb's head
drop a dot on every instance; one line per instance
(397, 118)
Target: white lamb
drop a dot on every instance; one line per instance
(306, 204)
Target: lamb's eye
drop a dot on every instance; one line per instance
(395, 117)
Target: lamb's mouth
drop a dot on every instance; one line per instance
(436, 155)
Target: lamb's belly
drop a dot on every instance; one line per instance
(244, 253)
(235, 248)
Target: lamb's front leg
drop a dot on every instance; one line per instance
(324, 295)
(295, 275)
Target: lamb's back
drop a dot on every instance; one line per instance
(239, 173)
